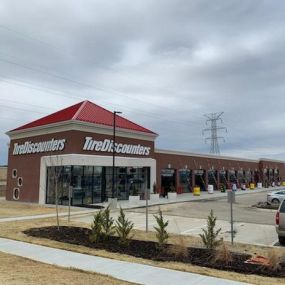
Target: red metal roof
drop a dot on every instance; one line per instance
(85, 111)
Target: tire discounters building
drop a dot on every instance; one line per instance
(72, 150)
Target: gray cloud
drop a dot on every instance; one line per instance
(163, 63)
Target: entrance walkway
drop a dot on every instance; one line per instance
(131, 272)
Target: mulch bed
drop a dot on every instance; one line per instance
(148, 250)
(266, 205)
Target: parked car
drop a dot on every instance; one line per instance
(276, 197)
(280, 223)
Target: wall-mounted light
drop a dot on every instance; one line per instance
(169, 165)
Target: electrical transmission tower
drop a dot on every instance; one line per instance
(213, 118)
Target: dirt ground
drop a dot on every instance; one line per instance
(20, 271)
(14, 231)
(16, 209)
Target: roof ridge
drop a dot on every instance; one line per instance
(79, 110)
(122, 117)
(86, 111)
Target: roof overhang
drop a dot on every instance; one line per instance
(75, 125)
(163, 151)
(271, 160)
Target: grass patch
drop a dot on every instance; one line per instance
(18, 270)
(18, 209)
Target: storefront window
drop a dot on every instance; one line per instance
(93, 184)
(212, 178)
(185, 180)
(248, 176)
(128, 181)
(83, 182)
(54, 177)
(240, 176)
(232, 176)
(223, 178)
(77, 181)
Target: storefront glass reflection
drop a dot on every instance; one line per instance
(93, 184)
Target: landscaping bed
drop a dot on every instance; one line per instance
(149, 250)
(266, 205)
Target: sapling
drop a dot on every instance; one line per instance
(97, 227)
(161, 233)
(209, 236)
(107, 224)
(123, 228)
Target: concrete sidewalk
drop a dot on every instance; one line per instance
(131, 272)
(187, 197)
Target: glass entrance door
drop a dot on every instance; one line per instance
(97, 185)
(87, 185)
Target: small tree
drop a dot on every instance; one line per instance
(209, 236)
(161, 233)
(97, 227)
(56, 171)
(107, 223)
(123, 228)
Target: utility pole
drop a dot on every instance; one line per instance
(212, 119)
(114, 153)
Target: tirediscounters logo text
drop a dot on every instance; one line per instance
(107, 146)
(30, 147)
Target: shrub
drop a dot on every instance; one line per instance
(274, 260)
(209, 236)
(223, 254)
(107, 224)
(161, 233)
(179, 249)
(123, 228)
(97, 227)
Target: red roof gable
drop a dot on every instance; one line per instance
(85, 112)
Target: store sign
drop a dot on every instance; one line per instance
(167, 172)
(199, 172)
(30, 147)
(107, 146)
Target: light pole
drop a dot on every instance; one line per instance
(114, 152)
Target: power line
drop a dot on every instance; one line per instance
(71, 96)
(79, 83)
(213, 118)
(31, 37)
(41, 70)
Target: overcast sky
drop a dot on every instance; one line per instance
(164, 64)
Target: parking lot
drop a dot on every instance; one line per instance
(243, 210)
(251, 225)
